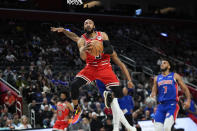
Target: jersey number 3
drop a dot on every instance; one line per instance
(165, 89)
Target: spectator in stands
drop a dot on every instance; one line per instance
(38, 95)
(24, 123)
(10, 124)
(95, 123)
(44, 103)
(46, 116)
(16, 119)
(5, 113)
(10, 58)
(108, 124)
(21, 83)
(7, 72)
(46, 87)
(85, 124)
(34, 106)
(10, 101)
(48, 72)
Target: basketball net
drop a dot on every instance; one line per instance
(74, 2)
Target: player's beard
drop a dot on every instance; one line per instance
(89, 31)
(62, 100)
(163, 70)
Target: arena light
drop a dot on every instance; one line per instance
(164, 34)
(138, 12)
(67, 29)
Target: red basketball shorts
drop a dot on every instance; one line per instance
(60, 125)
(106, 75)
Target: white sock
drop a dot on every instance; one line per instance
(116, 118)
(158, 126)
(120, 114)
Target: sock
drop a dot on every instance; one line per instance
(116, 119)
(120, 114)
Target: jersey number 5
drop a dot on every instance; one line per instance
(165, 89)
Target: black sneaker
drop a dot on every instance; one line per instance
(107, 98)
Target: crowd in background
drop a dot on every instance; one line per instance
(40, 63)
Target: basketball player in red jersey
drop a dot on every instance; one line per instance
(99, 67)
(63, 109)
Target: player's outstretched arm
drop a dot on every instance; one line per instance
(154, 89)
(69, 34)
(184, 89)
(123, 68)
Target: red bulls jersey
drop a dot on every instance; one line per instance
(101, 61)
(62, 111)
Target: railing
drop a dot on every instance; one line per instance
(148, 71)
(161, 54)
(10, 86)
(19, 107)
(128, 61)
(33, 118)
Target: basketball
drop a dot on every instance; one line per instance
(97, 48)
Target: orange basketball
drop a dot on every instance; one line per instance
(97, 48)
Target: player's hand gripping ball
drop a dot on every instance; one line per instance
(97, 48)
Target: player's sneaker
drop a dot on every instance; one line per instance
(107, 98)
(77, 115)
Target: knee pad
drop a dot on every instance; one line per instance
(168, 123)
(117, 90)
(158, 126)
(75, 85)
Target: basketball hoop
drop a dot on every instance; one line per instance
(74, 2)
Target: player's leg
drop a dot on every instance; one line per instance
(75, 85)
(159, 118)
(171, 116)
(117, 93)
(84, 76)
(111, 82)
(56, 126)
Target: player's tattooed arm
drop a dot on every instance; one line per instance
(69, 34)
(184, 89)
(123, 68)
(154, 89)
